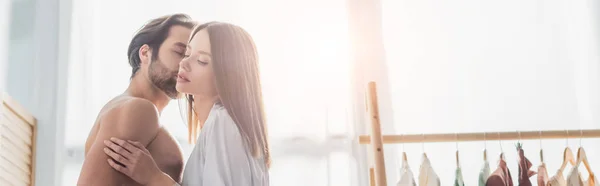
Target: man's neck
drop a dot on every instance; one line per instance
(142, 87)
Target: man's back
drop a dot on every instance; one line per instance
(133, 119)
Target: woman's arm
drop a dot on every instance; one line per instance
(133, 159)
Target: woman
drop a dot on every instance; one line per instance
(220, 79)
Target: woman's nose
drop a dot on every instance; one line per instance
(184, 65)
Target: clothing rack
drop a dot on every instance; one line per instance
(377, 174)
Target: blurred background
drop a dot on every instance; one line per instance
(441, 67)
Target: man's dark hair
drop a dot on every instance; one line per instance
(154, 34)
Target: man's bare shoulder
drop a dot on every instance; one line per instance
(131, 117)
(123, 117)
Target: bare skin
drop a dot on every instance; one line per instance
(117, 119)
(142, 167)
(134, 115)
(197, 77)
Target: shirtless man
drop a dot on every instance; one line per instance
(154, 54)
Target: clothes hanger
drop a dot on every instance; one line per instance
(484, 148)
(457, 158)
(501, 150)
(519, 144)
(541, 150)
(567, 156)
(582, 157)
(423, 146)
(404, 158)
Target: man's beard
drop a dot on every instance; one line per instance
(163, 78)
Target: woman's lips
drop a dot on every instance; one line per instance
(181, 78)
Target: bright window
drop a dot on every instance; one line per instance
(481, 66)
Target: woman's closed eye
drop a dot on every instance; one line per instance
(202, 62)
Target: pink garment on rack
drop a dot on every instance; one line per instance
(542, 178)
(500, 177)
(524, 172)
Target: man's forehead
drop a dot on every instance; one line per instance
(179, 32)
(180, 45)
(177, 37)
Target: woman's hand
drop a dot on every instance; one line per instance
(132, 159)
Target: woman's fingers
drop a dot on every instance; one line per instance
(119, 149)
(138, 145)
(119, 167)
(117, 157)
(126, 145)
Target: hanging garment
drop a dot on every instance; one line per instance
(484, 173)
(427, 176)
(542, 178)
(574, 178)
(557, 180)
(592, 181)
(524, 172)
(406, 176)
(501, 176)
(458, 181)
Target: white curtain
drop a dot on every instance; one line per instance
(304, 66)
(483, 66)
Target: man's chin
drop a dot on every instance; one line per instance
(178, 96)
(173, 94)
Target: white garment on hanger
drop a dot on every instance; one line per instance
(427, 176)
(574, 178)
(484, 173)
(458, 181)
(557, 180)
(595, 181)
(406, 176)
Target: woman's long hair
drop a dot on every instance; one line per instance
(235, 65)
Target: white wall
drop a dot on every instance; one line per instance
(4, 28)
(483, 66)
(21, 54)
(33, 78)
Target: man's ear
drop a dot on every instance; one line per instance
(145, 54)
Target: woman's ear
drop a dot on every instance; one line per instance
(145, 54)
